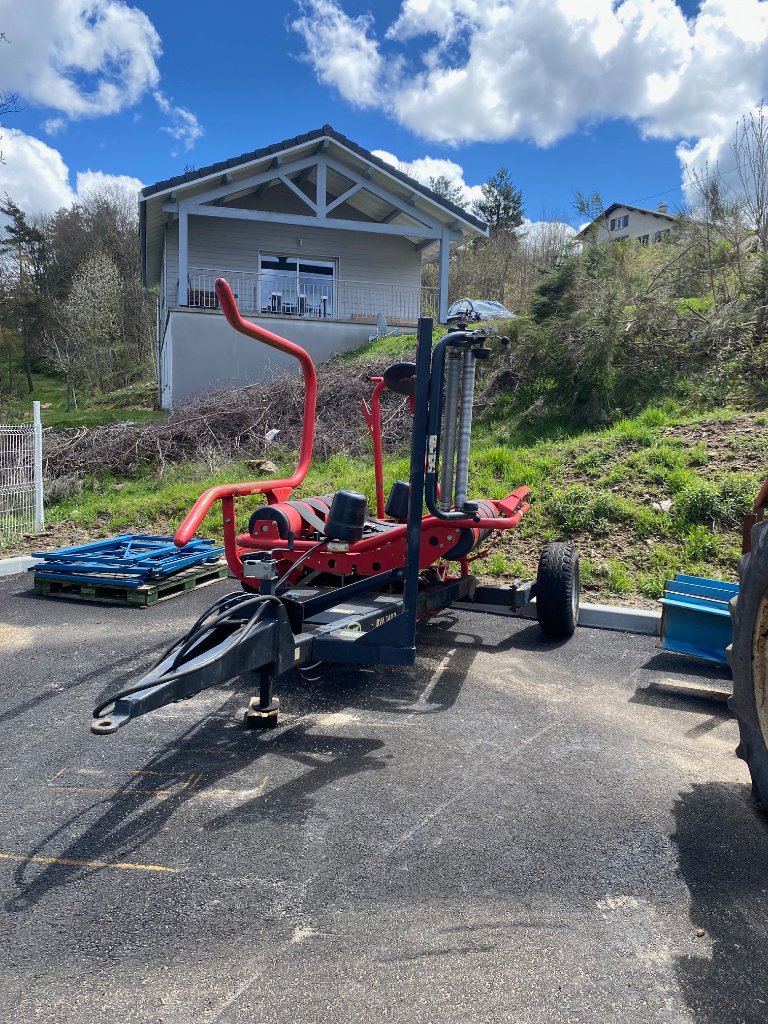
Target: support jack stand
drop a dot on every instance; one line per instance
(263, 711)
(257, 717)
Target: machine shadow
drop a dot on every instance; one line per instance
(722, 840)
(683, 664)
(131, 814)
(513, 633)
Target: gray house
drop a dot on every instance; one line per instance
(317, 238)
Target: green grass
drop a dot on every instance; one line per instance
(604, 489)
(597, 489)
(134, 403)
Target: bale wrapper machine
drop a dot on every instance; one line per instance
(323, 580)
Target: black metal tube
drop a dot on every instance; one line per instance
(418, 456)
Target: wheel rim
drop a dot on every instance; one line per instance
(760, 666)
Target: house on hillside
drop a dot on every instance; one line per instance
(622, 221)
(316, 236)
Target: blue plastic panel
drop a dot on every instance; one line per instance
(129, 557)
(695, 617)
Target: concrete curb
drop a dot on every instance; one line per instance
(13, 566)
(595, 616)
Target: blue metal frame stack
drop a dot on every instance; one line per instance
(132, 560)
(695, 618)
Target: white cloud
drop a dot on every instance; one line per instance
(94, 181)
(732, 158)
(37, 179)
(84, 58)
(184, 126)
(34, 175)
(341, 51)
(426, 167)
(522, 69)
(53, 125)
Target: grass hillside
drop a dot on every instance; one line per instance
(643, 498)
(608, 491)
(135, 402)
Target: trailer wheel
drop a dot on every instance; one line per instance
(557, 590)
(749, 661)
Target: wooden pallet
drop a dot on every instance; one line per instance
(115, 592)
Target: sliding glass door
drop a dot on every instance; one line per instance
(295, 286)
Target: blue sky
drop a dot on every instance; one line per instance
(566, 94)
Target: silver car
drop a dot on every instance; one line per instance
(479, 309)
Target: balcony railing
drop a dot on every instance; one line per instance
(289, 295)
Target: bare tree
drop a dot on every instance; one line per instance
(86, 338)
(750, 148)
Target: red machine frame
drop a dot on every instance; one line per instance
(372, 554)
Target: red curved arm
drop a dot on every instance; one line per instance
(201, 507)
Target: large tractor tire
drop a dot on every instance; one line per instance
(749, 661)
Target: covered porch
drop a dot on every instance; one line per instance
(298, 292)
(314, 231)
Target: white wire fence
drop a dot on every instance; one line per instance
(21, 477)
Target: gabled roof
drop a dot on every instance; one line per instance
(606, 214)
(229, 178)
(195, 176)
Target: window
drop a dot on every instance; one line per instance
(296, 285)
(623, 222)
(613, 224)
(657, 236)
(643, 239)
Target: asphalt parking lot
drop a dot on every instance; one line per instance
(513, 830)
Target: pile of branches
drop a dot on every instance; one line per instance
(226, 426)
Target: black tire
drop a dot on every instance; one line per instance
(557, 590)
(749, 662)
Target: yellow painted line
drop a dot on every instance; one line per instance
(73, 862)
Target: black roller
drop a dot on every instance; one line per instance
(347, 516)
(397, 502)
(401, 378)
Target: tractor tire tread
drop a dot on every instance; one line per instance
(753, 587)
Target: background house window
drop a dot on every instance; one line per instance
(643, 239)
(298, 286)
(623, 222)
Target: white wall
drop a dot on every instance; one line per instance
(205, 353)
(235, 245)
(640, 223)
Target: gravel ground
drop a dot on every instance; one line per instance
(512, 830)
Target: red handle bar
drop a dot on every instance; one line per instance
(201, 507)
